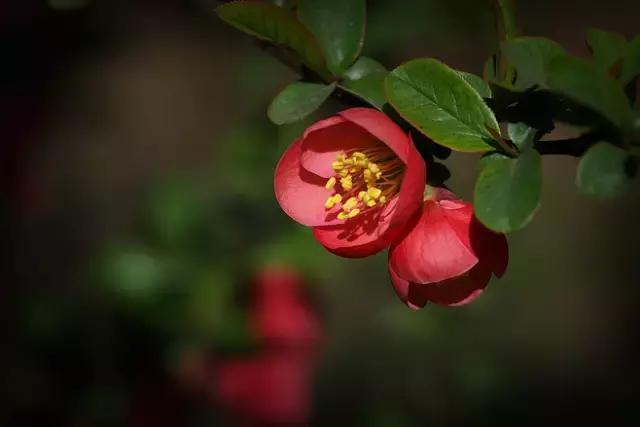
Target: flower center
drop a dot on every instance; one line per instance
(363, 180)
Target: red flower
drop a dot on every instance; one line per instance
(356, 178)
(273, 386)
(448, 257)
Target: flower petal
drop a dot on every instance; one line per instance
(361, 236)
(382, 127)
(432, 251)
(491, 247)
(407, 291)
(321, 144)
(300, 193)
(459, 290)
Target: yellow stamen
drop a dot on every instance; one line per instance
(346, 183)
(350, 204)
(374, 192)
(330, 183)
(367, 179)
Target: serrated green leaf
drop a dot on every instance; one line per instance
(269, 22)
(603, 171)
(298, 100)
(606, 48)
(339, 27)
(437, 101)
(477, 83)
(522, 135)
(531, 56)
(631, 62)
(507, 192)
(363, 67)
(370, 88)
(585, 84)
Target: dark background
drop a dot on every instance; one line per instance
(136, 168)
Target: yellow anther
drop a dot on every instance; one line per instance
(353, 213)
(374, 192)
(348, 161)
(343, 173)
(368, 175)
(382, 199)
(362, 163)
(362, 194)
(371, 203)
(341, 157)
(378, 175)
(330, 183)
(360, 156)
(337, 165)
(329, 203)
(374, 167)
(346, 183)
(350, 204)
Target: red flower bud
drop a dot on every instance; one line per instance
(448, 257)
(356, 178)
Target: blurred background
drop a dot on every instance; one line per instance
(138, 218)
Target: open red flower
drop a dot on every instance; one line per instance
(356, 178)
(448, 257)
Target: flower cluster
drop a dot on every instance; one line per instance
(358, 180)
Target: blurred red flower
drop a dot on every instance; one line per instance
(448, 257)
(273, 386)
(356, 178)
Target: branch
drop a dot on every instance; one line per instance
(575, 147)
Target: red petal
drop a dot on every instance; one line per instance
(432, 251)
(361, 236)
(300, 193)
(457, 291)
(382, 127)
(407, 291)
(491, 247)
(326, 139)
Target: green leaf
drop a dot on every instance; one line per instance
(298, 100)
(437, 101)
(507, 192)
(631, 62)
(604, 171)
(522, 135)
(276, 25)
(477, 83)
(606, 48)
(370, 88)
(531, 57)
(585, 84)
(339, 27)
(363, 67)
